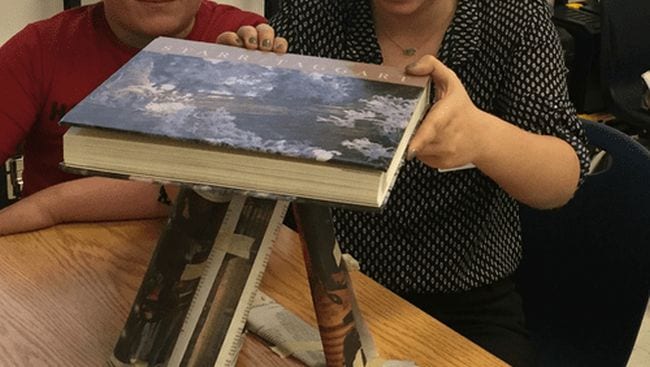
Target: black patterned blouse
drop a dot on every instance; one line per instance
(445, 232)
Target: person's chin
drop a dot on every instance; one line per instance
(155, 2)
(155, 29)
(399, 7)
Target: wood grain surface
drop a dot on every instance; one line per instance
(65, 293)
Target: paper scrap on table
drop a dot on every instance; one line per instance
(289, 335)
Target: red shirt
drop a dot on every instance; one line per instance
(51, 65)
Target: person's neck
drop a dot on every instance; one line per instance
(132, 40)
(432, 17)
(138, 40)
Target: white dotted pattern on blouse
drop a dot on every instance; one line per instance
(443, 232)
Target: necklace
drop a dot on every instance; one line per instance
(408, 51)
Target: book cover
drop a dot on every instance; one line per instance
(307, 109)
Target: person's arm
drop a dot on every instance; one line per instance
(541, 171)
(85, 199)
(533, 145)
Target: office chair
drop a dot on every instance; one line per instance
(11, 182)
(4, 193)
(579, 31)
(625, 55)
(585, 273)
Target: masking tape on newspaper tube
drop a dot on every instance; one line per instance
(193, 271)
(336, 252)
(235, 244)
(351, 264)
(213, 194)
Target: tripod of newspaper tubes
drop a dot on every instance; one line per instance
(192, 305)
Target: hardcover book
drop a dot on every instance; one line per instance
(285, 125)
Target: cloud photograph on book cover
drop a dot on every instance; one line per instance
(255, 107)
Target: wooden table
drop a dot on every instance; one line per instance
(65, 293)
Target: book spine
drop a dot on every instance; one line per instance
(331, 290)
(212, 333)
(170, 281)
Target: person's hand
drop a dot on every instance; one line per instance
(260, 38)
(449, 135)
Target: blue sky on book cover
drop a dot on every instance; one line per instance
(254, 107)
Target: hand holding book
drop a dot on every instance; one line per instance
(455, 133)
(260, 38)
(447, 137)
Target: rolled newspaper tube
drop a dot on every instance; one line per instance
(164, 296)
(331, 293)
(216, 339)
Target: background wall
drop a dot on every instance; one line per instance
(14, 15)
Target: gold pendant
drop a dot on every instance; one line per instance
(409, 51)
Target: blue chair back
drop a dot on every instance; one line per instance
(585, 273)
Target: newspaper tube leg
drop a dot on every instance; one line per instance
(331, 294)
(164, 296)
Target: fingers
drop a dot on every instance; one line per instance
(436, 153)
(428, 64)
(440, 74)
(442, 77)
(260, 38)
(424, 135)
(230, 39)
(265, 36)
(280, 45)
(248, 35)
(435, 142)
(266, 39)
(434, 161)
(424, 66)
(445, 137)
